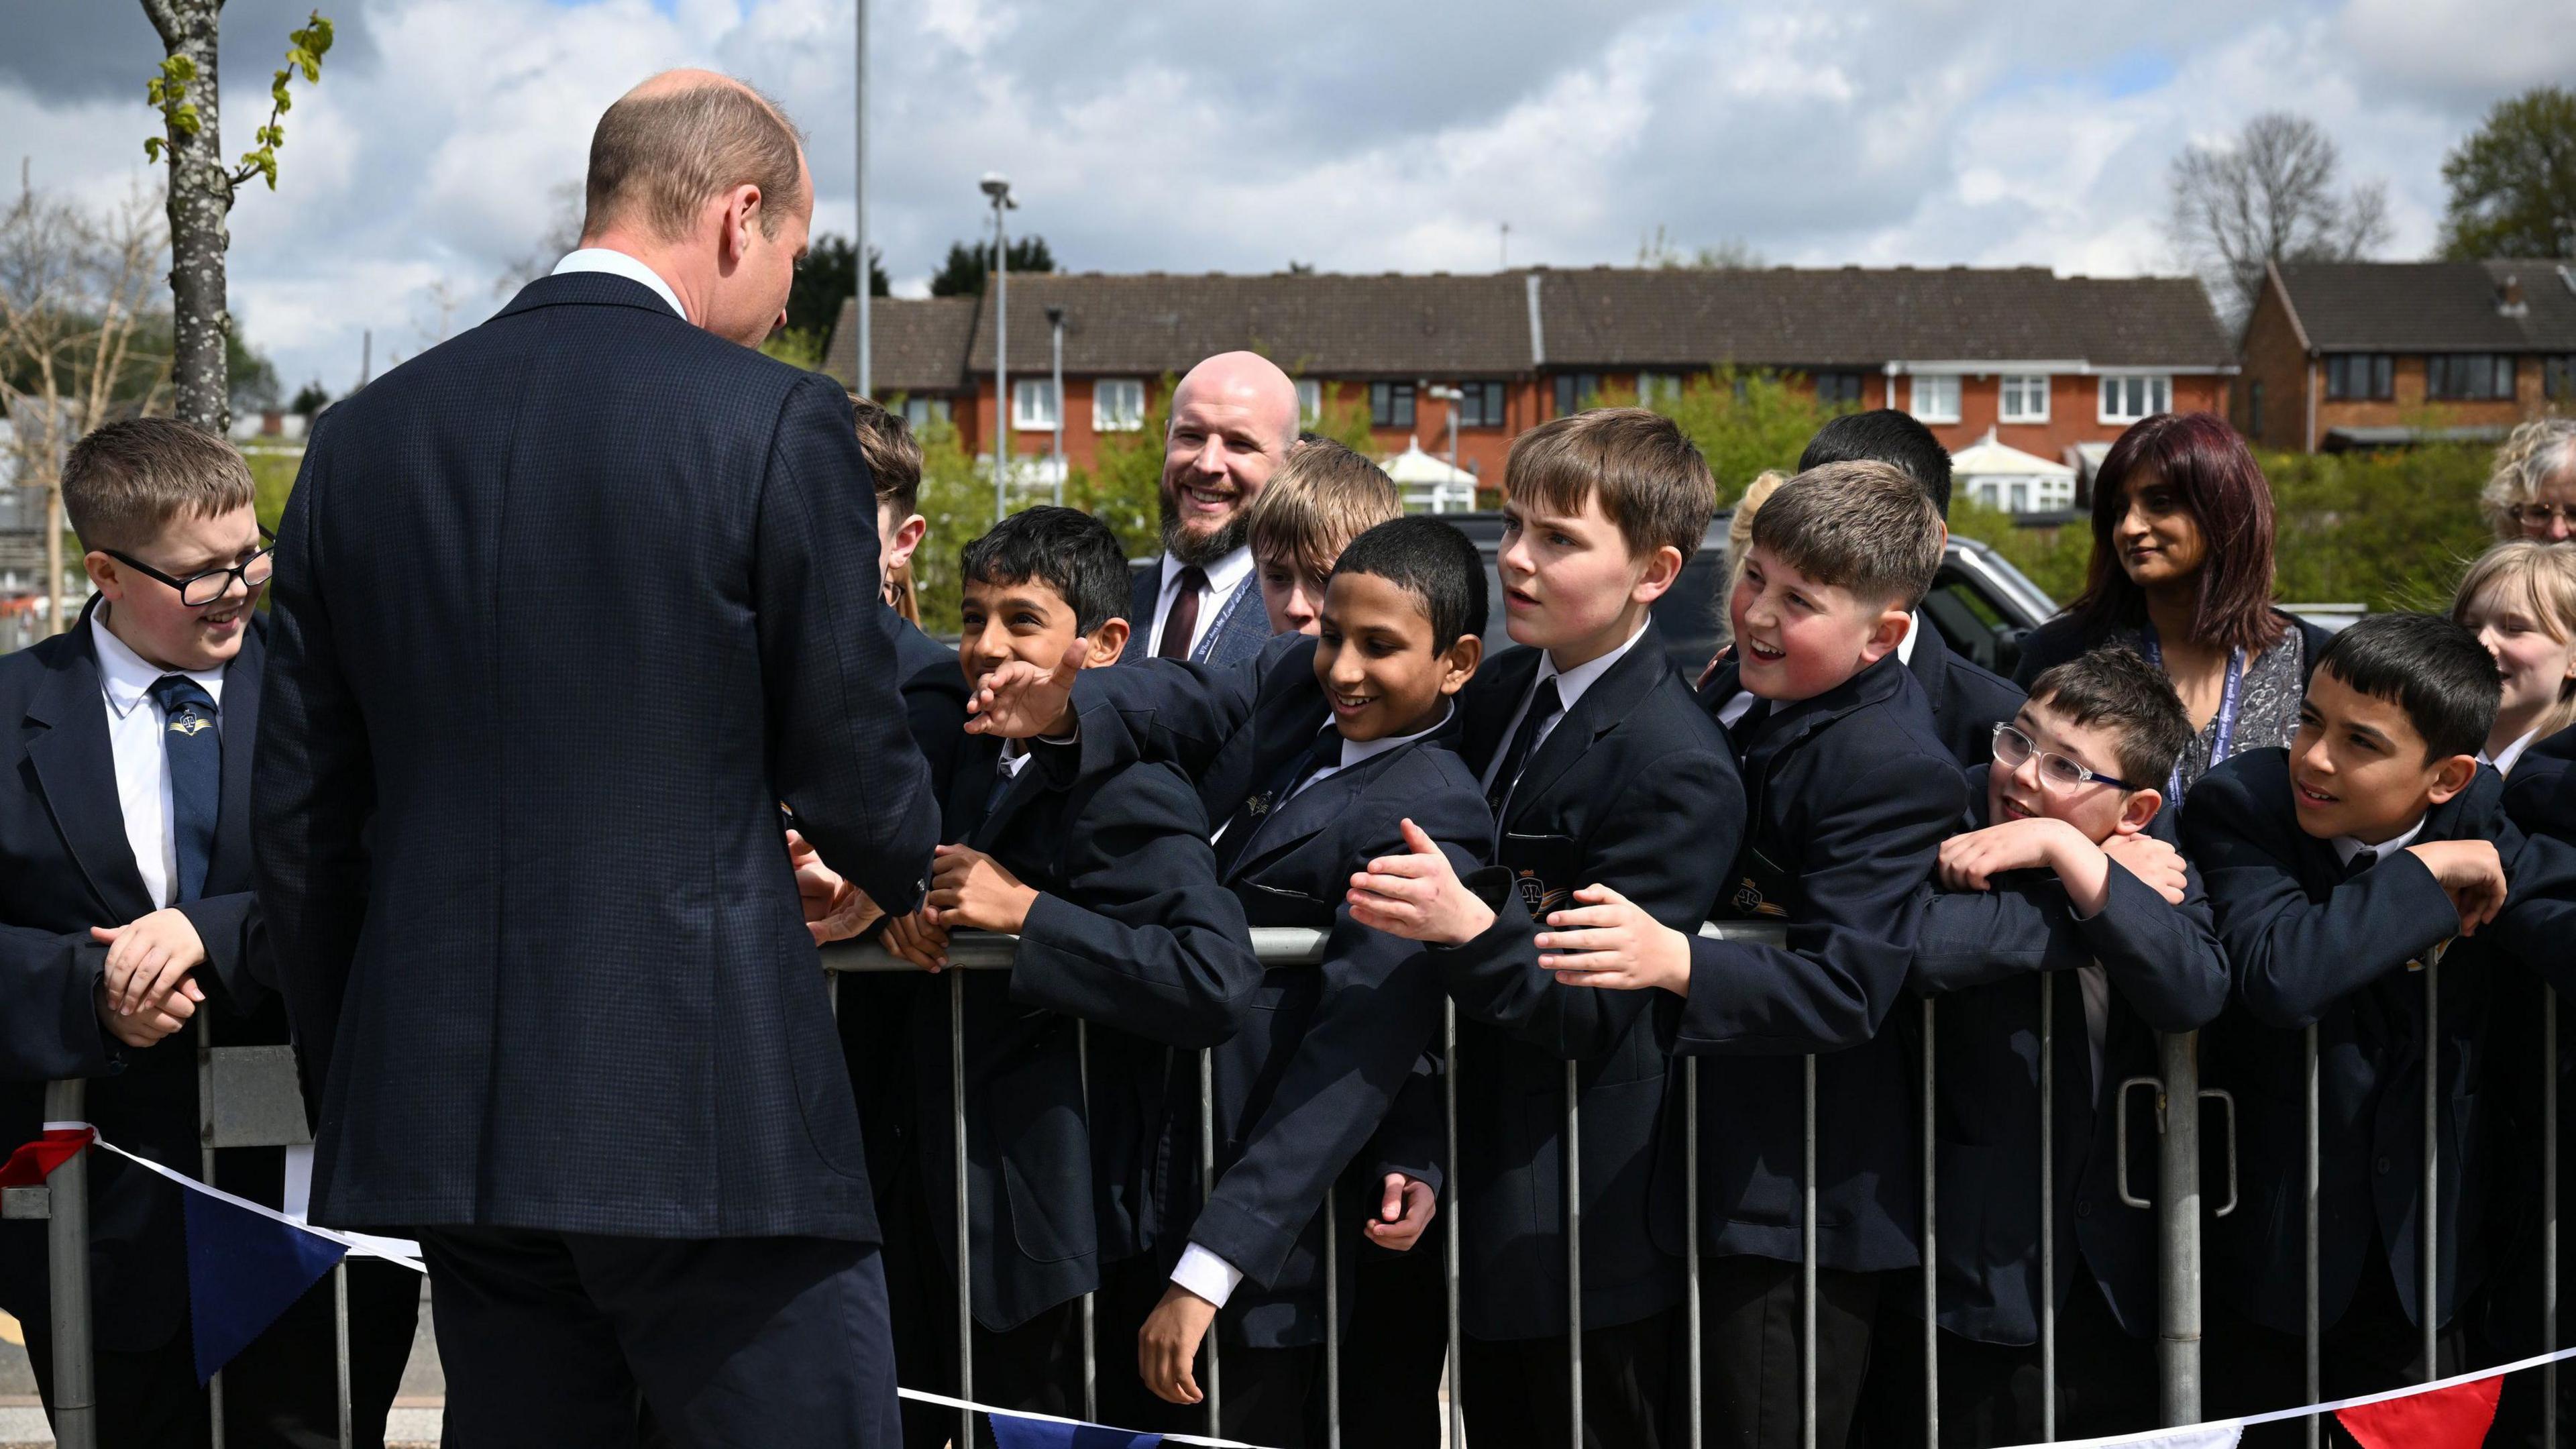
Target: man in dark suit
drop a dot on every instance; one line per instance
(129, 936)
(556, 1002)
(1234, 418)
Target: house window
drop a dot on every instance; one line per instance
(2558, 376)
(1576, 391)
(921, 412)
(1033, 404)
(2254, 407)
(1480, 404)
(2360, 377)
(2025, 399)
(1936, 398)
(1117, 405)
(1658, 387)
(1310, 402)
(1390, 405)
(1834, 389)
(2127, 399)
(2469, 376)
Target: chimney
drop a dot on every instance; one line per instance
(2509, 300)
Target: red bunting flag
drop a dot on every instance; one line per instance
(34, 1161)
(2452, 1418)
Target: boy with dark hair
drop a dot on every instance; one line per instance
(1884, 435)
(2338, 868)
(1318, 752)
(128, 925)
(1324, 496)
(1110, 885)
(1849, 796)
(1599, 767)
(2066, 903)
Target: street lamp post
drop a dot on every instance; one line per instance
(998, 187)
(1452, 396)
(1055, 330)
(860, 224)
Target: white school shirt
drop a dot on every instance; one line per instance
(137, 735)
(1570, 686)
(2348, 846)
(1223, 577)
(1735, 709)
(2505, 760)
(619, 264)
(1200, 1271)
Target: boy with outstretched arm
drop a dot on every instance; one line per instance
(1849, 795)
(1599, 768)
(2068, 876)
(1111, 887)
(2338, 868)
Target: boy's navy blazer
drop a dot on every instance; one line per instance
(1242, 623)
(1966, 698)
(1133, 933)
(565, 608)
(1849, 796)
(65, 866)
(1636, 789)
(1981, 954)
(2307, 945)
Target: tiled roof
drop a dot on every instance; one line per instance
(2432, 306)
(1443, 325)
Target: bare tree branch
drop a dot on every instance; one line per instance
(2268, 194)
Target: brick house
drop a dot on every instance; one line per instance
(2383, 354)
(2046, 364)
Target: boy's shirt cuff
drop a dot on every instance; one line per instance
(1207, 1275)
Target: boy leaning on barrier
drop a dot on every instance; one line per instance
(1109, 883)
(1600, 769)
(2069, 874)
(2337, 867)
(127, 921)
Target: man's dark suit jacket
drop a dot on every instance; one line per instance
(1981, 954)
(1635, 789)
(1966, 698)
(65, 866)
(1242, 623)
(1131, 932)
(1848, 797)
(2307, 945)
(564, 609)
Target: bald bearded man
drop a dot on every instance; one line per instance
(1234, 418)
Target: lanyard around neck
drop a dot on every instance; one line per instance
(2229, 694)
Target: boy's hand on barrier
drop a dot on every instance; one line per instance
(1418, 896)
(146, 957)
(1167, 1347)
(971, 889)
(1019, 700)
(2470, 873)
(2152, 861)
(157, 1018)
(1408, 1207)
(1608, 941)
(915, 938)
(1971, 860)
(835, 910)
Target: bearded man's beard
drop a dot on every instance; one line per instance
(1201, 549)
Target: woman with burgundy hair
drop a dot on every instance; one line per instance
(2182, 573)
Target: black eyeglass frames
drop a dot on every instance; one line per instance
(198, 590)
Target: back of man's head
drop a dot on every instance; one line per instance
(893, 454)
(1884, 435)
(675, 143)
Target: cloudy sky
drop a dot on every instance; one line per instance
(1198, 135)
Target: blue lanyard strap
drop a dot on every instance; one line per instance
(2230, 693)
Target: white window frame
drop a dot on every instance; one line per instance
(1923, 408)
(1105, 421)
(2026, 386)
(1026, 418)
(2158, 390)
(1310, 402)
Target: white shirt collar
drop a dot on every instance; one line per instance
(1222, 575)
(619, 264)
(1355, 752)
(2504, 762)
(127, 677)
(1905, 646)
(1571, 683)
(2346, 847)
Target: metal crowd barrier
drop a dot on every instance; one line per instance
(248, 1097)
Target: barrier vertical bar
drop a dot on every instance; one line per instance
(2314, 1329)
(2048, 1208)
(957, 1163)
(1332, 1321)
(1931, 1255)
(1207, 1191)
(340, 1347)
(2428, 1235)
(67, 1269)
(206, 1175)
(1574, 1253)
(2548, 1213)
(2178, 1225)
(1807, 1274)
(1449, 1243)
(1690, 1231)
(1090, 1349)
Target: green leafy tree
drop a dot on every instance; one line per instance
(310, 399)
(957, 501)
(2513, 182)
(963, 274)
(2054, 557)
(202, 189)
(1743, 421)
(828, 277)
(1125, 487)
(1344, 418)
